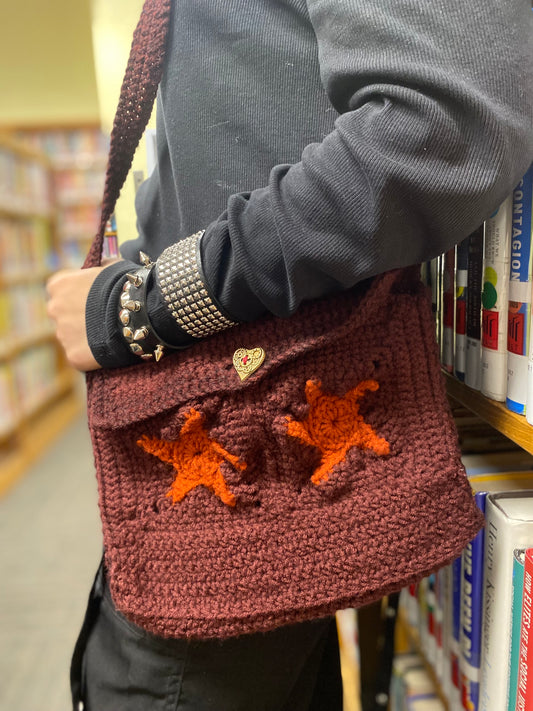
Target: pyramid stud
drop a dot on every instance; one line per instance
(147, 356)
(136, 348)
(126, 286)
(124, 298)
(132, 305)
(140, 333)
(124, 317)
(127, 333)
(145, 259)
(134, 279)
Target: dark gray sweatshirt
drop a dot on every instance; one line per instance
(321, 142)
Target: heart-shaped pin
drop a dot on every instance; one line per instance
(247, 361)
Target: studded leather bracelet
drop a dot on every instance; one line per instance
(179, 276)
(137, 329)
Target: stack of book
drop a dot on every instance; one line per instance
(473, 617)
(482, 294)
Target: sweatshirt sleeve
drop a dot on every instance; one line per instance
(435, 129)
(104, 331)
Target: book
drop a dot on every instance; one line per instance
(494, 302)
(455, 635)
(519, 556)
(529, 394)
(519, 295)
(472, 569)
(461, 285)
(524, 690)
(472, 560)
(509, 517)
(448, 310)
(473, 309)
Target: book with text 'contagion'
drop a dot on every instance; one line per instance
(519, 308)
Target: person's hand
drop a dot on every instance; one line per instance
(67, 295)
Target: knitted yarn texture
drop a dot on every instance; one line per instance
(234, 506)
(137, 95)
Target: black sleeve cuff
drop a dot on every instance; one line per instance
(103, 327)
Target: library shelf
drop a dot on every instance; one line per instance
(78, 159)
(513, 426)
(24, 212)
(33, 277)
(35, 434)
(38, 394)
(83, 161)
(15, 347)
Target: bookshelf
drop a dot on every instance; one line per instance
(37, 388)
(513, 426)
(78, 159)
(486, 416)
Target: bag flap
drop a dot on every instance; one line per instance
(123, 396)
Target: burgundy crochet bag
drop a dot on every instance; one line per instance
(328, 478)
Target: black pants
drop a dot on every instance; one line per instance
(117, 666)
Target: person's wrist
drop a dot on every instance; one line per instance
(180, 280)
(136, 325)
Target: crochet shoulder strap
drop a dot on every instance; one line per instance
(137, 95)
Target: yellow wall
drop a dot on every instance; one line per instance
(113, 24)
(62, 63)
(46, 63)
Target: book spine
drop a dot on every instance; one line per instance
(471, 615)
(473, 309)
(461, 285)
(448, 310)
(455, 637)
(524, 691)
(519, 295)
(516, 613)
(435, 284)
(502, 536)
(529, 396)
(494, 302)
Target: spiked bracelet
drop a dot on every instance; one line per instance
(137, 329)
(180, 280)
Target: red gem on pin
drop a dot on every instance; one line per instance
(245, 360)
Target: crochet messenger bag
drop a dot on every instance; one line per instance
(328, 478)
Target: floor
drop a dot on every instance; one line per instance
(51, 538)
(52, 543)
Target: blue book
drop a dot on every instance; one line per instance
(472, 615)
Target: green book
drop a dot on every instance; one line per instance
(516, 619)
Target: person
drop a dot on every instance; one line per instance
(303, 146)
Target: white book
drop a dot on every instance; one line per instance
(494, 300)
(529, 396)
(509, 525)
(520, 284)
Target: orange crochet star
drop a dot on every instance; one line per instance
(334, 426)
(196, 458)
